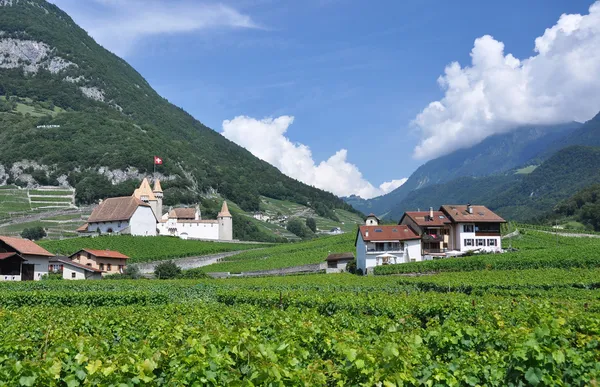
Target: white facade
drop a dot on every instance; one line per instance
(207, 229)
(372, 221)
(466, 239)
(225, 228)
(41, 265)
(142, 223)
(72, 272)
(368, 255)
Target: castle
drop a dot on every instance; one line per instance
(142, 214)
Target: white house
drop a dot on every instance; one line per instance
(372, 220)
(122, 215)
(22, 260)
(74, 271)
(455, 229)
(383, 245)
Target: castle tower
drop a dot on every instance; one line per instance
(225, 223)
(158, 193)
(145, 194)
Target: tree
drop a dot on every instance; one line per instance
(351, 267)
(33, 233)
(298, 228)
(312, 224)
(167, 270)
(132, 271)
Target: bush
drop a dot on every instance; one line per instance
(194, 274)
(132, 271)
(167, 270)
(33, 233)
(311, 223)
(52, 277)
(351, 267)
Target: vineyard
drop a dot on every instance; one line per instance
(142, 249)
(286, 255)
(534, 250)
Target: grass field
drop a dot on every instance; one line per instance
(144, 249)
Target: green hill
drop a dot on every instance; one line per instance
(74, 112)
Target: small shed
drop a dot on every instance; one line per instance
(73, 270)
(337, 262)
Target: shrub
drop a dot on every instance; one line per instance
(351, 267)
(167, 270)
(194, 274)
(52, 277)
(311, 223)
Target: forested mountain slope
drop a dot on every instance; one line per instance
(494, 155)
(74, 112)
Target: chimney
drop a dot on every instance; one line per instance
(431, 213)
(469, 208)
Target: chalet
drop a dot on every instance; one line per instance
(455, 229)
(71, 270)
(22, 260)
(106, 261)
(338, 262)
(372, 220)
(121, 215)
(382, 245)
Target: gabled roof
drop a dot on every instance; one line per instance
(459, 214)
(104, 253)
(75, 264)
(339, 257)
(387, 233)
(82, 228)
(224, 211)
(25, 246)
(422, 219)
(372, 215)
(116, 209)
(182, 213)
(144, 190)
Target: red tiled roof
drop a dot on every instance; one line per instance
(82, 228)
(387, 233)
(25, 246)
(421, 218)
(116, 209)
(459, 214)
(183, 213)
(9, 255)
(105, 254)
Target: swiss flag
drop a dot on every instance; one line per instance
(158, 160)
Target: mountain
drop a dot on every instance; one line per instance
(496, 154)
(73, 113)
(516, 197)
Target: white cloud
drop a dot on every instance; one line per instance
(499, 92)
(120, 25)
(266, 140)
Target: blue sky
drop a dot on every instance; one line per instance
(352, 74)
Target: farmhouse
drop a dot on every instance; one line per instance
(72, 270)
(22, 260)
(106, 261)
(455, 229)
(381, 245)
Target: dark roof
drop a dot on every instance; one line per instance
(183, 213)
(339, 257)
(116, 209)
(104, 253)
(422, 219)
(25, 246)
(4, 256)
(459, 214)
(387, 233)
(75, 264)
(372, 215)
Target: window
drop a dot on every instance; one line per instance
(468, 242)
(108, 267)
(480, 242)
(101, 266)
(492, 242)
(73, 275)
(468, 228)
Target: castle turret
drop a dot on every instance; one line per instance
(225, 223)
(145, 194)
(158, 193)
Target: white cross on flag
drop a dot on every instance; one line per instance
(158, 160)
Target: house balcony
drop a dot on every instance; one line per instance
(487, 233)
(379, 252)
(432, 238)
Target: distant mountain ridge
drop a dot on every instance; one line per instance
(496, 155)
(73, 113)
